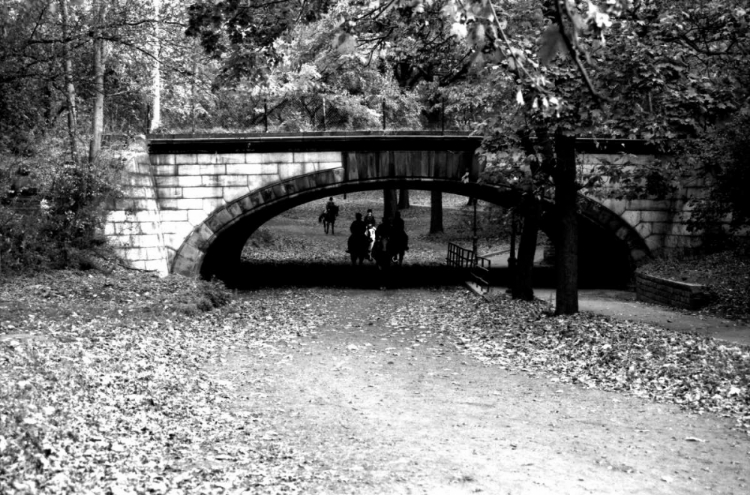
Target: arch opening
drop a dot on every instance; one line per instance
(607, 243)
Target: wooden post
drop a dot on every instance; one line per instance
(475, 239)
(512, 257)
(382, 106)
(442, 115)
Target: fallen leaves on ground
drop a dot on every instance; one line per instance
(101, 399)
(699, 373)
(100, 402)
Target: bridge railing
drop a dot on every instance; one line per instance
(310, 112)
(478, 267)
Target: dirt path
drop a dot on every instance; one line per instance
(622, 305)
(380, 403)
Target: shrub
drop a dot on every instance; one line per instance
(60, 227)
(215, 294)
(724, 156)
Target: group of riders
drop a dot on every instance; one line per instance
(383, 243)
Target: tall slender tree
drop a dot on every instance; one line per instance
(156, 79)
(97, 119)
(70, 90)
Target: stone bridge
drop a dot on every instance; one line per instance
(191, 202)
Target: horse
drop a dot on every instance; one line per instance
(358, 248)
(328, 219)
(370, 233)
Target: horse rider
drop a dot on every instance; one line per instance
(370, 219)
(358, 225)
(331, 207)
(358, 240)
(399, 232)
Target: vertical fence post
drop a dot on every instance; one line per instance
(382, 107)
(512, 257)
(475, 238)
(265, 114)
(442, 114)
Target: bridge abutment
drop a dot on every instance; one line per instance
(134, 224)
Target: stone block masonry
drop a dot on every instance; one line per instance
(649, 288)
(134, 227)
(662, 223)
(189, 187)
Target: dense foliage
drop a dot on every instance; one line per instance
(723, 157)
(55, 217)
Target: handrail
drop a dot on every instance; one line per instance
(459, 257)
(478, 266)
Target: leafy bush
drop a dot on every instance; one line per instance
(60, 227)
(216, 295)
(724, 157)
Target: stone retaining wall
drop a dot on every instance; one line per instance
(649, 288)
(661, 223)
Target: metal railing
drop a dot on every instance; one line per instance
(480, 272)
(478, 266)
(459, 257)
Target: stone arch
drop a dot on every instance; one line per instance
(214, 246)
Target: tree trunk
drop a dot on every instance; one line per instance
(155, 122)
(50, 110)
(97, 119)
(70, 90)
(566, 249)
(403, 199)
(436, 212)
(193, 83)
(390, 203)
(523, 282)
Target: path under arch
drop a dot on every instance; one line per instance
(214, 248)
